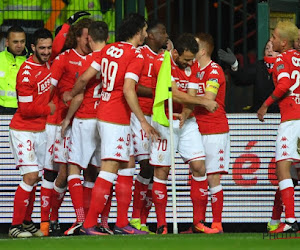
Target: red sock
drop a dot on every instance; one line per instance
(123, 196)
(199, 196)
(277, 207)
(147, 207)
(106, 210)
(76, 192)
(87, 194)
(46, 196)
(21, 201)
(30, 205)
(287, 196)
(57, 199)
(160, 198)
(217, 204)
(100, 194)
(139, 196)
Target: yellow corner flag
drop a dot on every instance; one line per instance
(163, 91)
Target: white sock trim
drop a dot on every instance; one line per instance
(200, 178)
(47, 184)
(284, 184)
(26, 187)
(73, 176)
(88, 184)
(107, 176)
(127, 172)
(215, 189)
(59, 190)
(143, 180)
(159, 180)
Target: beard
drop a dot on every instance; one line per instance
(39, 57)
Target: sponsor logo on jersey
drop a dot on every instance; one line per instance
(213, 80)
(214, 72)
(280, 67)
(201, 89)
(25, 79)
(44, 85)
(79, 63)
(38, 74)
(27, 67)
(26, 72)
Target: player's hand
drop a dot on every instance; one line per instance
(151, 132)
(65, 123)
(181, 117)
(52, 107)
(211, 105)
(67, 97)
(72, 19)
(227, 57)
(261, 112)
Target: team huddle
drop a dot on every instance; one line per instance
(88, 112)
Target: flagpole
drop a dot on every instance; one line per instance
(170, 107)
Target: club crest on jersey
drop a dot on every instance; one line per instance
(188, 71)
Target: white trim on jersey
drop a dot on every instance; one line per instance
(96, 66)
(283, 74)
(54, 82)
(192, 85)
(25, 98)
(132, 76)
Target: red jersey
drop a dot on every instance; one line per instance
(149, 55)
(212, 123)
(33, 90)
(51, 119)
(92, 93)
(184, 78)
(118, 61)
(286, 77)
(65, 70)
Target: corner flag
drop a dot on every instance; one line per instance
(163, 91)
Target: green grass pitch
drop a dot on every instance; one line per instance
(235, 241)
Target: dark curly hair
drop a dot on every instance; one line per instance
(130, 26)
(186, 42)
(76, 31)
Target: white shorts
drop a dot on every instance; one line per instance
(115, 141)
(141, 144)
(28, 149)
(187, 141)
(85, 143)
(49, 155)
(61, 149)
(217, 153)
(287, 141)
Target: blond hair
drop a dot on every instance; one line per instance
(287, 31)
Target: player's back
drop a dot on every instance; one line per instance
(119, 61)
(287, 73)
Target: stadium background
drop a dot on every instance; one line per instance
(243, 25)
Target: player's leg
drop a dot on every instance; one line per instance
(29, 166)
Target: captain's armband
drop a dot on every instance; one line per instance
(212, 86)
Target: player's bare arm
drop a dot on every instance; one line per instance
(75, 104)
(144, 91)
(131, 98)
